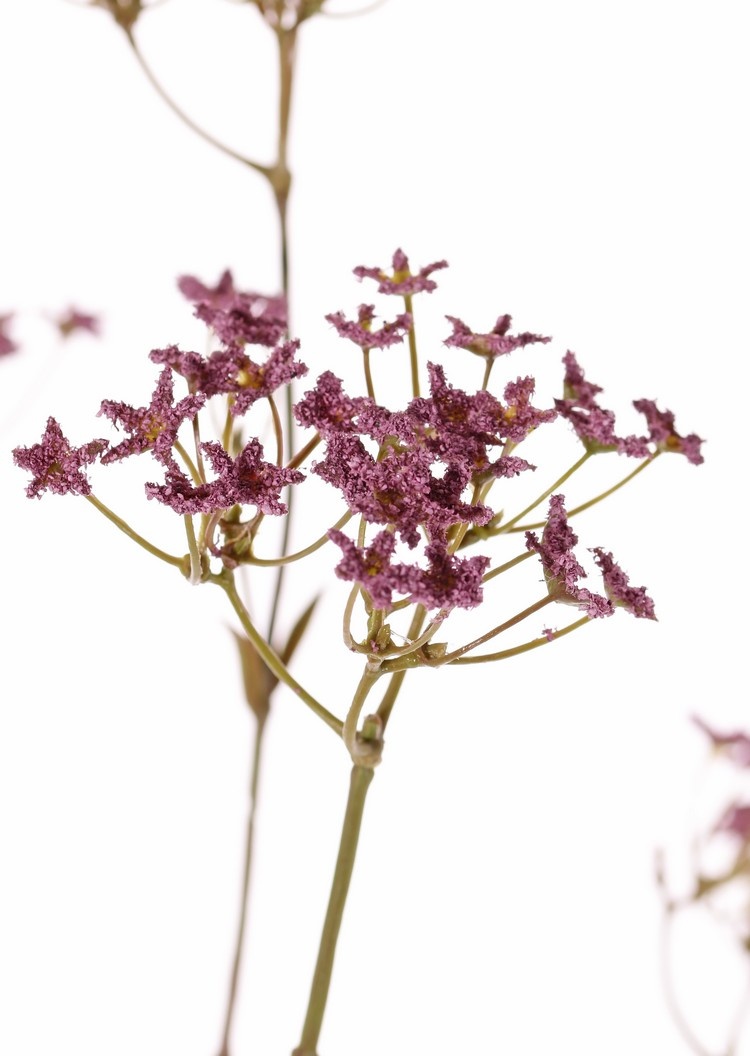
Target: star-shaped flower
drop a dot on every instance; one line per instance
(498, 342)
(153, 428)
(246, 480)
(402, 281)
(57, 466)
(361, 332)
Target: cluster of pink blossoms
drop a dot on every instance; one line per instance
(419, 474)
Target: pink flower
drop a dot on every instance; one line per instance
(593, 424)
(246, 480)
(561, 567)
(56, 465)
(664, 435)
(361, 332)
(153, 428)
(448, 581)
(402, 281)
(498, 342)
(618, 589)
(735, 745)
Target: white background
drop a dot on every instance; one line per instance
(581, 165)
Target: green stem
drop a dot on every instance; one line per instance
(244, 898)
(413, 360)
(178, 562)
(584, 505)
(535, 643)
(271, 562)
(360, 780)
(508, 526)
(397, 680)
(268, 655)
(368, 373)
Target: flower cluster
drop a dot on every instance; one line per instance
(419, 478)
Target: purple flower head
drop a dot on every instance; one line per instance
(236, 318)
(735, 745)
(448, 582)
(327, 408)
(402, 281)
(519, 417)
(461, 429)
(7, 345)
(594, 425)
(56, 465)
(231, 372)
(244, 480)
(397, 489)
(72, 321)
(561, 567)
(190, 365)
(249, 481)
(664, 435)
(369, 566)
(617, 588)
(153, 428)
(361, 332)
(498, 342)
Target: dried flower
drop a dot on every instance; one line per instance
(594, 425)
(56, 465)
(153, 428)
(402, 281)
(244, 480)
(618, 589)
(498, 342)
(664, 435)
(361, 332)
(562, 569)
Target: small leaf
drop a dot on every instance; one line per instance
(298, 631)
(258, 681)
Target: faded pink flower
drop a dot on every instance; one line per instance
(72, 321)
(735, 745)
(7, 345)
